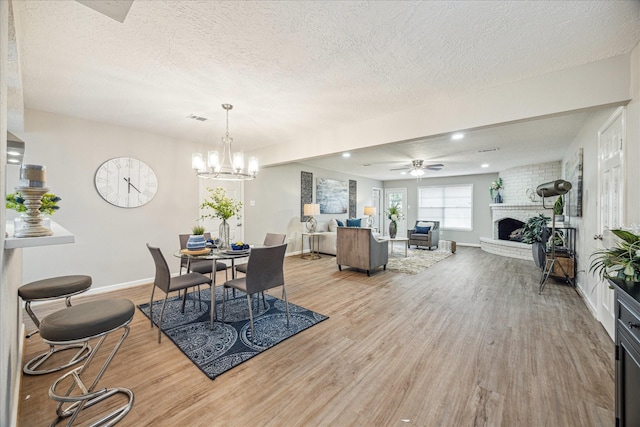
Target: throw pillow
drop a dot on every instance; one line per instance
(340, 223)
(333, 225)
(353, 222)
(425, 224)
(422, 230)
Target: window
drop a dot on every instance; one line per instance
(452, 205)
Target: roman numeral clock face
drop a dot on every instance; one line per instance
(126, 182)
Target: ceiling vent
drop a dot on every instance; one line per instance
(198, 118)
(15, 149)
(488, 150)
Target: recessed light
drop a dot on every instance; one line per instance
(345, 155)
(366, 165)
(403, 173)
(457, 135)
(484, 165)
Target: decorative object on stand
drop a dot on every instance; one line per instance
(495, 190)
(370, 212)
(216, 167)
(223, 208)
(558, 187)
(621, 262)
(311, 209)
(30, 194)
(394, 215)
(196, 239)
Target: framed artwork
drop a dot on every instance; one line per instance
(332, 196)
(573, 174)
(306, 192)
(353, 197)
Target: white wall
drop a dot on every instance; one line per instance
(110, 241)
(276, 197)
(482, 226)
(518, 180)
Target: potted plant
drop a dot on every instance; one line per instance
(196, 239)
(558, 208)
(535, 231)
(394, 214)
(620, 263)
(494, 190)
(223, 208)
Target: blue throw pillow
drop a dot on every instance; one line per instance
(422, 230)
(353, 222)
(340, 223)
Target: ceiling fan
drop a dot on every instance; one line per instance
(417, 167)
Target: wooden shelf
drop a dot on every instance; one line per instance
(60, 236)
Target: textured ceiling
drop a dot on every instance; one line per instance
(291, 68)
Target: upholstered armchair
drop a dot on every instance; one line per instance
(424, 233)
(358, 248)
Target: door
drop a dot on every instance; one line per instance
(376, 200)
(611, 143)
(396, 196)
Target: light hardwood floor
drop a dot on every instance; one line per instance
(468, 342)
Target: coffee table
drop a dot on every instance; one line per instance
(392, 240)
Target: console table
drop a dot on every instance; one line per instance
(314, 245)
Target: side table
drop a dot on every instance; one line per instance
(314, 246)
(396, 239)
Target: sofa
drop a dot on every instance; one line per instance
(328, 241)
(358, 248)
(424, 233)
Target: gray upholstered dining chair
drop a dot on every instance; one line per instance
(203, 266)
(271, 239)
(264, 271)
(167, 284)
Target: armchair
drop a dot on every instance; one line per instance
(358, 248)
(419, 238)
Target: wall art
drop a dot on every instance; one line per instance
(332, 196)
(306, 192)
(573, 174)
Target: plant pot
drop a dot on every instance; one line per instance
(196, 241)
(224, 232)
(393, 229)
(539, 254)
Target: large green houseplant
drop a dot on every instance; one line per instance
(619, 263)
(536, 232)
(223, 208)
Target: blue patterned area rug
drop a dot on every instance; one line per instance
(229, 343)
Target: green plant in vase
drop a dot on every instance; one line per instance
(197, 230)
(621, 262)
(558, 208)
(221, 207)
(394, 215)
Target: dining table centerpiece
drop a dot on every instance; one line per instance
(218, 206)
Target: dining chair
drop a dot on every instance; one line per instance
(167, 284)
(203, 266)
(271, 239)
(264, 271)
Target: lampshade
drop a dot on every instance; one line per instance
(370, 210)
(311, 209)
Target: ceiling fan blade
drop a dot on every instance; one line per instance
(434, 167)
(400, 169)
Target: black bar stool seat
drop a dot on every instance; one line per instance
(50, 289)
(81, 323)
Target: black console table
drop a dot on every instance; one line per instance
(627, 313)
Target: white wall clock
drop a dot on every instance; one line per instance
(126, 182)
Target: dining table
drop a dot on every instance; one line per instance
(214, 254)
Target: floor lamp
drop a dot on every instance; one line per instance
(551, 189)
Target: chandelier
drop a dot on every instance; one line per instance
(216, 167)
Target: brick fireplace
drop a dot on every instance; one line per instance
(509, 216)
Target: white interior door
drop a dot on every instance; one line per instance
(376, 200)
(396, 196)
(611, 142)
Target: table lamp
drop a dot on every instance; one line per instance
(370, 212)
(311, 209)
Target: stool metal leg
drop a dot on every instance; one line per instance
(31, 367)
(89, 397)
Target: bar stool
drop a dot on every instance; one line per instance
(50, 289)
(79, 324)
